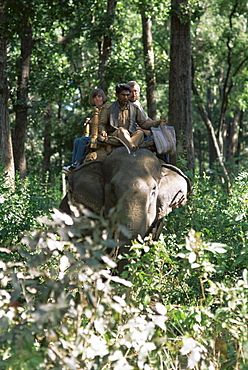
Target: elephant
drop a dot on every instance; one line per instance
(144, 187)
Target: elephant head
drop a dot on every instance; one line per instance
(144, 187)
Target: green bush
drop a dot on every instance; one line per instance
(218, 217)
(20, 206)
(181, 304)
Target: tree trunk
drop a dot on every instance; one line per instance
(199, 152)
(20, 106)
(6, 151)
(211, 148)
(46, 164)
(231, 143)
(240, 141)
(105, 45)
(149, 64)
(180, 85)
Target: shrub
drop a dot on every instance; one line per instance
(20, 206)
(182, 303)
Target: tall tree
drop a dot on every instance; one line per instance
(219, 83)
(21, 103)
(149, 62)
(180, 82)
(233, 136)
(6, 152)
(105, 43)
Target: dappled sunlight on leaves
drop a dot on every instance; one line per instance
(180, 304)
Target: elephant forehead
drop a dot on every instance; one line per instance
(134, 183)
(139, 184)
(141, 162)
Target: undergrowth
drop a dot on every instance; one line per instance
(181, 303)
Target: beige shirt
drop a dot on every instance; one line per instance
(123, 119)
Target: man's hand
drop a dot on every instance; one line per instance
(146, 132)
(102, 136)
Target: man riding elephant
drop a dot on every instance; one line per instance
(142, 187)
(118, 122)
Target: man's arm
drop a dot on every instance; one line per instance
(146, 124)
(137, 103)
(146, 132)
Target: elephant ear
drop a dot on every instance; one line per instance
(174, 188)
(86, 185)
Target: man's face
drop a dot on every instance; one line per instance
(123, 97)
(134, 95)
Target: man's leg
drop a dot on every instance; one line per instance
(131, 142)
(137, 137)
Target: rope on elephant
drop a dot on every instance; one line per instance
(122, 142)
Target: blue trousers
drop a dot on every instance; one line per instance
(79, 147)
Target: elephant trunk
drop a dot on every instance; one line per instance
(136, 226)
(136, 213)
(137, 200)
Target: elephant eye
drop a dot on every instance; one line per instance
(153, 193)
(152, 202)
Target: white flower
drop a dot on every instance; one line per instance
(96, 347)
(194, 349)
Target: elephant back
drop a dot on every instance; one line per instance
(85, 186)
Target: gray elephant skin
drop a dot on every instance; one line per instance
(145, 188)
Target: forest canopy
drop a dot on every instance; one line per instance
(55, 52)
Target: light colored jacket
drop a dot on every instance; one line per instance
(109, 118)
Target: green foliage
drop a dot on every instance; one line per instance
(219, 217)
(20, 206)
(65, 62)
(219, 38)
(181, 303)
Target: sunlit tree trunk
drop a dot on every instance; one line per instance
(6, 152)
(231, 143)
(149, 64)
(240, 145)
(21, 104)
(211, 147)
(180, 84)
